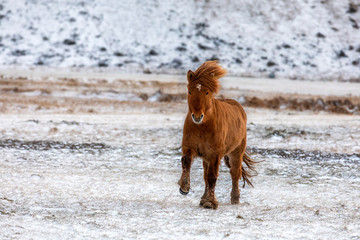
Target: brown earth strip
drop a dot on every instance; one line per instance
(298, 154)
(342, 106)
(335, 105)
(19, 91)
(49, 145)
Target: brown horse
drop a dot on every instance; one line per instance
(213, 129)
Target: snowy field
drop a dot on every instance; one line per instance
(89, 153)
(278, 38)
(80, 159)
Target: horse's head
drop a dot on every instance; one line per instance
(202, 87)
(200, 102)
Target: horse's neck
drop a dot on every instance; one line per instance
(215, 110)
(216, 106)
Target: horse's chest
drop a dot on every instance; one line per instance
(205, 141)
(206, 138)
(208, 145)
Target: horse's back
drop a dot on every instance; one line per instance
(235, 105)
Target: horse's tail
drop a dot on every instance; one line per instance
(250, 171)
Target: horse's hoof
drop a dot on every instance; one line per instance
(207, 205)
(182, 192)
(210, 205)
(235, 201)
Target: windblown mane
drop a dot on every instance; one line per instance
(208, 75)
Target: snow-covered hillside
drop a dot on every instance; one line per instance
(313, 39)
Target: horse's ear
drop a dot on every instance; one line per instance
(190, 75)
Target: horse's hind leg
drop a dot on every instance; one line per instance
(204, 196)
(236, 171)
(227, 161)
(211, 174)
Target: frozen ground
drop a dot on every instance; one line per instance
(278, 38)
(105, 166)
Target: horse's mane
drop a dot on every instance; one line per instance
(208, 75)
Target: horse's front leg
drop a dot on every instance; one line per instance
(209, 200)
(205, 195)
(184, 181)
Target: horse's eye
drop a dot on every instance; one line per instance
(207, 93)
(189, 92)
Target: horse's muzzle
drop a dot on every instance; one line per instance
(197, 120)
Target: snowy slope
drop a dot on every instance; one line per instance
(277, 38)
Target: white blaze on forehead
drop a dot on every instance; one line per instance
(198, 87)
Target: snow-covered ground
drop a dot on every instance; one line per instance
(115, 177)
(106, 166)
(278, 38)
